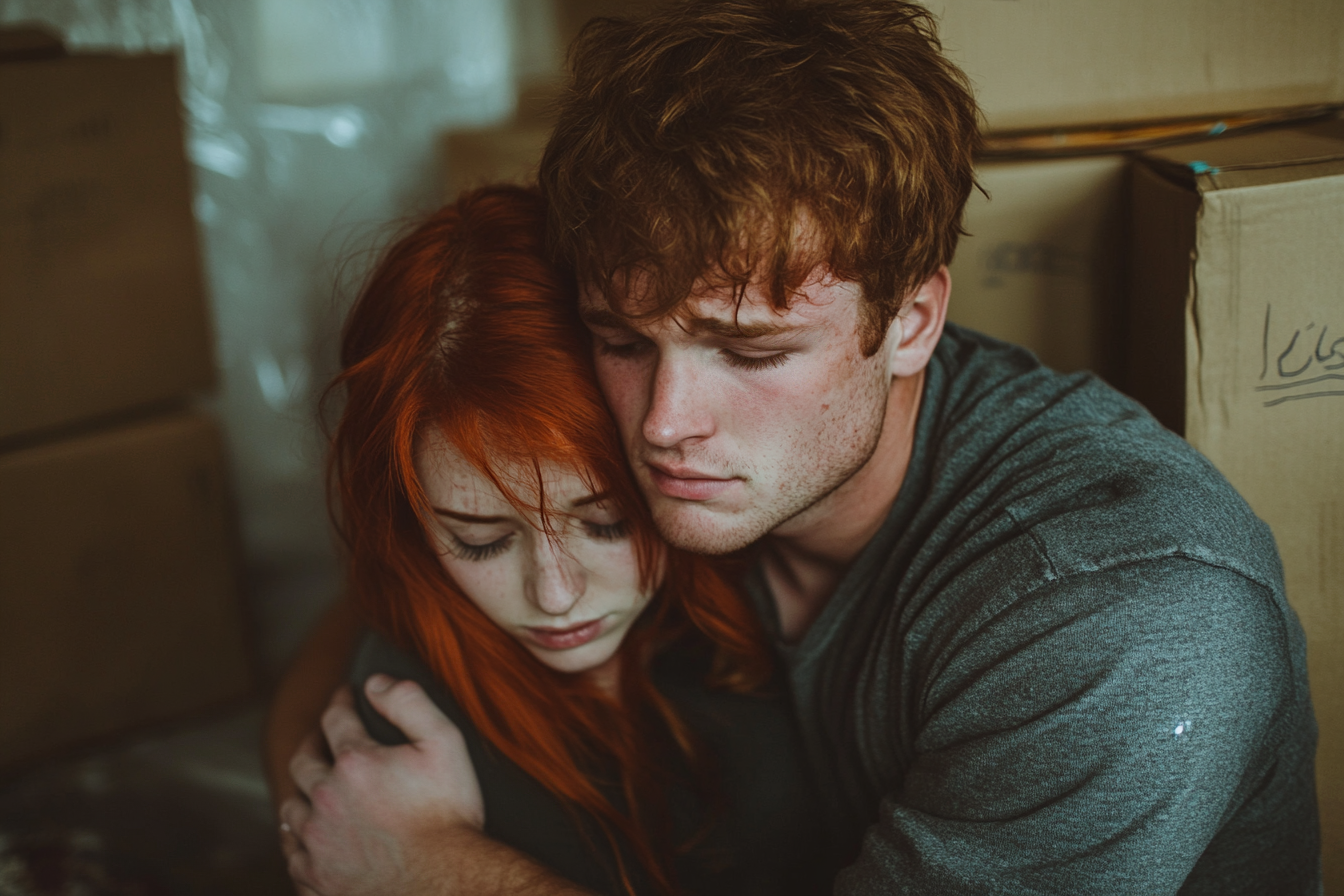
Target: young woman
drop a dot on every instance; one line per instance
(614, 694)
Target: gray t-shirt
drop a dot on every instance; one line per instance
(1065, 664)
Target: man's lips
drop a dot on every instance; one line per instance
(565, 638)
(688, 485)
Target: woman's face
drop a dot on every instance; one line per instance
(570, 598)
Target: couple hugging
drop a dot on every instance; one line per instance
(690, 551)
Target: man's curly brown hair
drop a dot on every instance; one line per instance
(727, 142)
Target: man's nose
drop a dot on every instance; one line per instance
(678, 404)
(556, 580)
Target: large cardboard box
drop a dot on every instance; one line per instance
(1041, 266)
(509, 153)
(1045, 64)
(1237, 337)
(101, 303)
(119, 591)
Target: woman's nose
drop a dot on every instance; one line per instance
(557, 580)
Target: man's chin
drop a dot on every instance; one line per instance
(701, 531)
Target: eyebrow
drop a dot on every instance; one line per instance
(474, 518)
(601, 317)
(468, 517)
(734, 330)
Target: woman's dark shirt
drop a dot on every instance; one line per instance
(763, 837)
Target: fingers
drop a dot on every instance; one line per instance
(406, 705)
(294, 815)
(309, 765)
(341, 724)
(300, 867)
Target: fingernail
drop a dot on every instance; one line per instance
(378, 683)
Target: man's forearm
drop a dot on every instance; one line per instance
(472, 863)
(303, 692)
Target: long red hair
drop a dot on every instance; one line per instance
(465, 326)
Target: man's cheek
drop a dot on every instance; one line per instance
(623, 385)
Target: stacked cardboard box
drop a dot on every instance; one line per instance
(118, 577)
(102, 308)
(1043, 265)
(510, 151)
(1041, 64)
(1238, 340)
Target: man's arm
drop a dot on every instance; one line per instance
(307, 685)
(400, 819)
(1096, 737)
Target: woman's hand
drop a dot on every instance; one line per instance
(377, 819)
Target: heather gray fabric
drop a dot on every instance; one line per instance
(1065, 664)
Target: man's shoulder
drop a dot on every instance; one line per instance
(1081, 471)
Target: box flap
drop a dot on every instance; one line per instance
(1247, 160)
(27, 42)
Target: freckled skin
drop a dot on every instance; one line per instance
(788, 433)
(534, 581)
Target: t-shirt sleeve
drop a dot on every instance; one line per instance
(1089, 737)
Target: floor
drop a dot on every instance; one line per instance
(182, 812)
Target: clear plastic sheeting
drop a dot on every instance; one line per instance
(311, 125)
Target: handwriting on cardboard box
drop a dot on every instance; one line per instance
(1300, 359)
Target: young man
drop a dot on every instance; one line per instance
(1036, 643)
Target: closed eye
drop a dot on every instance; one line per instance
(750, 362)
(625, 350)
(608, 531)
(477, 552)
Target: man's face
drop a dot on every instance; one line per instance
(736, 420)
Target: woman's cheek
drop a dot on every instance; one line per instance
(616, 567)
(485, 584)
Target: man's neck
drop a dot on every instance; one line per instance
(805, 558)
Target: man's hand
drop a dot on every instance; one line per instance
(378, 819)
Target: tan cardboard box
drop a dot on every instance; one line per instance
(1047, 64)
(119, 590)
(1041, 267)
(1237, 334)
(1043, 63)
(508, 153)
(101, 305)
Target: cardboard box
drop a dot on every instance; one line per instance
(572, 15)
(119, 589)
(1042, 265)
(1237, 336)
(101, 305)
(1046, 64)
(509, 153)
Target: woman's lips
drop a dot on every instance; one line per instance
(566, 638)
(688, 487)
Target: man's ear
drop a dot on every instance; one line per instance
(914, 333)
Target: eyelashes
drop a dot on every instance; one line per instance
(608, 531)
(622, 349)
(480, 552)
(476, 552)
(633, 350)
(746, 362)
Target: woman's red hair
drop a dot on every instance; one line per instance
(465, 326)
